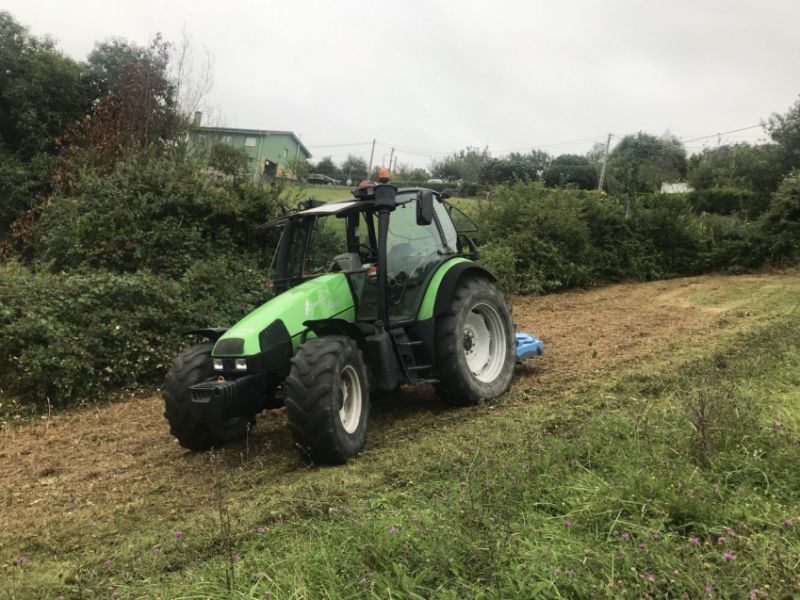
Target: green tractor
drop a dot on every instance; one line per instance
(371, 293)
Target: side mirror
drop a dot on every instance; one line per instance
(424, 207)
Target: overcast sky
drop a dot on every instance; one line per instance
(432, 77)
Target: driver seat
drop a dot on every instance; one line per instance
(348, 261)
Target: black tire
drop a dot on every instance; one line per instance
(194, 365)
(314, 398)
(458, 385)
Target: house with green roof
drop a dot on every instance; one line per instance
(271, 153)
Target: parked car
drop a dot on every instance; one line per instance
(319, 179)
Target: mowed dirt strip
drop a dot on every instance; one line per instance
(106, 463)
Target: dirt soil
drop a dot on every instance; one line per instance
(102, 463)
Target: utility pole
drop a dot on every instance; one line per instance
(393, 168)
(371, 156)
(605, 162)
(391, 156)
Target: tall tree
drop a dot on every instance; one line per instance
(42, 92)
(465, 164)
(758, 168)
(514, 167)
(785, 131)
(642, 162)
(354, 168)
(137, 107)
(326, 166)
(571, 169)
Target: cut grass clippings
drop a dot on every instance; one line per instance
(677, 477)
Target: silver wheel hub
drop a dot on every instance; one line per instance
(484, 340)
(350, 399)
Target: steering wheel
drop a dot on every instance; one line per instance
(368, 251)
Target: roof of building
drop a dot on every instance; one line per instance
(234, 130)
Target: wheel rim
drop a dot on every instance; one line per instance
(350, 399)
(484, 342)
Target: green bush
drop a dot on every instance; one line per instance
(780, 224)
(665, 228)
(159, 214)
(539, 240)
(123, 267)
(74, 336)
(728, 200)
(544, 235)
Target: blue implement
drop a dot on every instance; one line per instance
(528, 346)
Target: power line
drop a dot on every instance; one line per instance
(426, 153)
(720, 134)
(539, 147)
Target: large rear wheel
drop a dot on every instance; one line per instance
(194, 365)
(327, 399)
(475, 344)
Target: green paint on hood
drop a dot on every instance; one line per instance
(319, 298)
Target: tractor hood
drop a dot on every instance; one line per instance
(323, 297)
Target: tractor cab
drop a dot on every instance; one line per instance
(342, 237)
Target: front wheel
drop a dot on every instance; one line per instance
(327, 399)
(475, 344)
(192, 366)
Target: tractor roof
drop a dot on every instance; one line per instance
(315, 208)
(339, 206)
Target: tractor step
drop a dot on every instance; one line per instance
(419, 367)
(528, 346)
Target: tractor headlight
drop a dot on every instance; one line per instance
(218, 364)
(241, 364)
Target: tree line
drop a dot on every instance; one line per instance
(639, 163)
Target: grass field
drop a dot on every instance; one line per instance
(653, 452)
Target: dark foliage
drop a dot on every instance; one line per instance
(642, 162)
(571, 170)
(161, 214)
(228, 160)
(539, 240)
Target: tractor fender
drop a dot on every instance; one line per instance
(449, 284)
(443, 285)
(439, 297)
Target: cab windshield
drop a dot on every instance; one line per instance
(347, 243)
